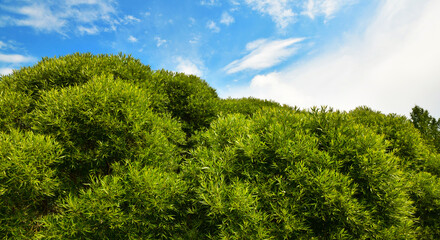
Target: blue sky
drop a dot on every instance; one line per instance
(341, 53)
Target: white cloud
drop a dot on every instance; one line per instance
(131, 19)
(15, 58)
(132, 39)
(192, 21)
(159, 41)
(264, 54)
(328, 8)
(234, 2)
(59, 16)
(209, 2)
(195, 40)
(10, 45)
(88, 30)
(40, 17)
(227, 19)
(279, 10)
(3, 45)
(188, 67)
(5, 71)
(390, 67)
(213, 26)
(283, 12)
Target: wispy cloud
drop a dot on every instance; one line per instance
(131, 19)
(284, 12)
(40, 17)
(390, 67)
(227, 19)
(61, 16)
(3, 45)
(209, 2)
(15, 58)
(195, 40)
(88, 30)
(213, 26)
(160, 41)
(264, 54)
(279, 10)
(188, 67)
(132, 39)
(192, 21)
(327, 8)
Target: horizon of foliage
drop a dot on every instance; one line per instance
(103, 147)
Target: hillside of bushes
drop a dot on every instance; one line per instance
(103, 147)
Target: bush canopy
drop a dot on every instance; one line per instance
(103, 147)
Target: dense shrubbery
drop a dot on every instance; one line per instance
(28, 181)
(102, 147)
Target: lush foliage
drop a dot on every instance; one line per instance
(28, 181)
(103, 147)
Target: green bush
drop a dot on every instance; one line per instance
(311, 175)
(191, 99)
(247, 106)
(13, 106)
(75, 69)
(133, 203)
(188, 98)
(419, 160)
(103, 147)
(104, 121)
(28, 183)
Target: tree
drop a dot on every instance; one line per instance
(428, 126)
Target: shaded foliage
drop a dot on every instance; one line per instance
(134, 202)
(428, 126)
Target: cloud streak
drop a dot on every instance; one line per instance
(264, 54)
(59, 16)
(390, 67)
(327, 8)
(284, 12)
(15, 58)
(279, 10)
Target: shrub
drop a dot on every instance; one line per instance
(102, 147)
(13, 106)
(104, 121)
(299, 175)
(420, 162)
(75, 69)
(191, 99)
(188, 98)
(28, 183)
(247, 106)
(134, 202)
